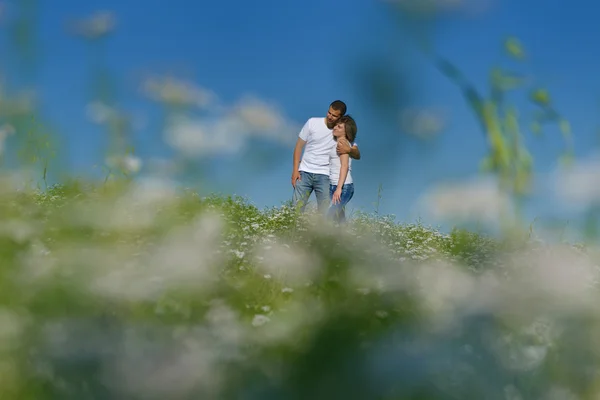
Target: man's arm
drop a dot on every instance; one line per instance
(355, 152)
(297, 153)
(343, 147)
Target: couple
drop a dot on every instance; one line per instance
(326, 163)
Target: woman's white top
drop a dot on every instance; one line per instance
(335, 164)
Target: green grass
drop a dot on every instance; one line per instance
(141, 291)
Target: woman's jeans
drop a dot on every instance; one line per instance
(336, 211)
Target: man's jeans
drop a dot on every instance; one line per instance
(337, 211)
(305, 186)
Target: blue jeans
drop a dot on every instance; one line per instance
(336, 211)
(305, 186)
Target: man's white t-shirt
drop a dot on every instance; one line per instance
(319, 144)
(335, 164)
(319, 141)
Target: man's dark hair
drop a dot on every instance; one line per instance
(350, 127)
(339, 105)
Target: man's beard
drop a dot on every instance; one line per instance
(330, 125)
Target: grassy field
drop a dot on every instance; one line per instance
(143, 291)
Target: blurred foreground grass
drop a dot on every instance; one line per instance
(141, 291)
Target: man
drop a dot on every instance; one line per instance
(312, 173)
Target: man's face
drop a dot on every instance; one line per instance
(332, 117)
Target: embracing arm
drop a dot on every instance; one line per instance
(355, 152)
(343, 147)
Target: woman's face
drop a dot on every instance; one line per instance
(339, 130)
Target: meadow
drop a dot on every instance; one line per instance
(142, 290)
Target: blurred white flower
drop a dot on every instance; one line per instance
(128, 163)
(283, 326)
(96, 26)
(135, 209)
(99, 112)
(177, 92)
(38, 263)
(556, 277)
(287, 264)
(478, 200)
(11, 326)
(258, 114)
(422, 123)
(194, 137)
(444, 289)
(132, 163)
(224, 323)
(560, 393)
(18, 180)
(183, 260)
(18, 230)
(515, 355)
(163, 367)
(512, 393)
(260, 320)
(263, 119)
(229, 132)
(579, 184)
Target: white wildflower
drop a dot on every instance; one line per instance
(260, 320)
(129, 163)
(472, 201)
(290, 265)
(18, 230)
(184, 259)
(238, 254)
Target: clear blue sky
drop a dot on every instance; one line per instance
(301, 56)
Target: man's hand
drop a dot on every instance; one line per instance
(295, 177)
(343, 146)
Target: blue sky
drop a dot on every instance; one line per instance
(303, 55)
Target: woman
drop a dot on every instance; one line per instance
(341, 186)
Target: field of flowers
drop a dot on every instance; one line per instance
(142, 291)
